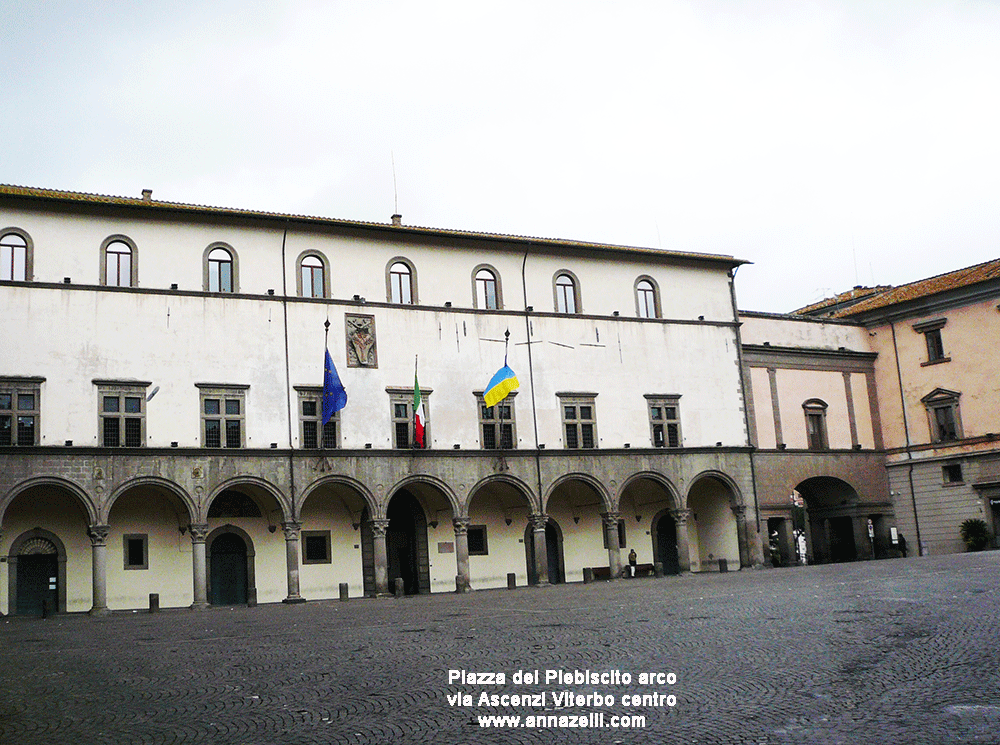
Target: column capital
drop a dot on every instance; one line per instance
(199, 532)
(680, 516)
(379, 526)
(611, 519)
(461, 525)
(739, 510)
(292, 529)
(538, 521)
(98, 534)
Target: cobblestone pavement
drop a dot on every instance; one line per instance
(904, 651)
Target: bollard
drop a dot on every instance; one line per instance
(511, 580)
(588, 575)
(658, 569)
(252, 597)
(343, 591)
(723, 565)
(154, 602)
(398, 584)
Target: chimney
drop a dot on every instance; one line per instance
(397, 220)
(147, 195)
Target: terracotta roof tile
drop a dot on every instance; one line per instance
(855, 294)
(971, 275)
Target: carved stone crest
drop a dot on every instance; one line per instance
(361, 347)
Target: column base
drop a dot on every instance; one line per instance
(198, 606)
(293, 601)
(99, 611)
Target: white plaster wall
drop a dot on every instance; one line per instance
(506, 549)
(712, 534)
(787, 331)
(323, 511)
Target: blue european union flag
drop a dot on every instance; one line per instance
(334, 394)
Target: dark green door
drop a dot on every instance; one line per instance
(229, 570)
(37, 579)
(666, 545)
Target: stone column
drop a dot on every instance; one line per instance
(862, 543)
(741, 535)
(2, 579)
(610, 520)
(199, 533)
(381, 557)
(292, 531)
(462, 553)
(683, 552)
(538, 523)
(99, 548)
(786, 542)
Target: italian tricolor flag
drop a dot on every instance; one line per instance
(418, 414)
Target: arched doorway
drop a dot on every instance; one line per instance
(228, 578)
(37, 579)
(553, 553)
(665, 548)
(835, 526)
(713, 531)
(406, 544)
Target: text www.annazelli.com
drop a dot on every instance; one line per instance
(594, 720)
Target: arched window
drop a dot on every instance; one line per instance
(118, 263)
(220, 265)
(401, 283)
(566, 294)
(313, 277)
(646, 299)
(487, 289)
(15, 257)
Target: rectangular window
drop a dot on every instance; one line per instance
(223, 416)
(952, 473)
(664, 421)
(945, 425)
(136, 550)
(815, 430)
(932, 338)
(579, 420)
(122, 414)
(316, 547)
(19, 412)
(313, 434)
(401, 409)
(477, 541)
(496, 424)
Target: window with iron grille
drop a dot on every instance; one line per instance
(313, 434)
(401, 410)
(496, 423)
(223, 416)
(19, 412)
(579, 420)
(478, 545)
(316, 547)
(664, 421)
(122, 414)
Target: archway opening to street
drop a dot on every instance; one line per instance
(835, 526)
(498, 512)
(713, 531)
(646, 506)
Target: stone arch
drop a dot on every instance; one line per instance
(669, 487)
(157, 483)
(12, 566)
(259, 486)
(89, 506)
(410, 482)
(251, 556)
(502, 478)
(716, 523)
(641, 500)
(363, 491)
(836, 525)
(736, 494)
(589, 480)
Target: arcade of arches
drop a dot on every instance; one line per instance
(242, 542)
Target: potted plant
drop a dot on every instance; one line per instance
(975, 534)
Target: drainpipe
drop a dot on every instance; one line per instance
(906, 431)
(531, 374)
(746, 413)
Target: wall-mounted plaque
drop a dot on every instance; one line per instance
(360, 333)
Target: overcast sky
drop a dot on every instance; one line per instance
(830, 143)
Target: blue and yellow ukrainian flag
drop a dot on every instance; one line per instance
(500, 385)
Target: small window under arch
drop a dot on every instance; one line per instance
(313, 276)
(221, 270)
(487, 290)
(15, 257)
(566, 293)
(647, 302)
(401, 283)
